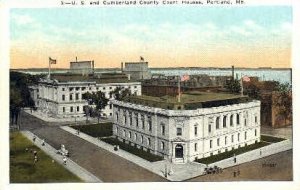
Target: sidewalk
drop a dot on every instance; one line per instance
(183, 171)
(64, 121)
(71, 166)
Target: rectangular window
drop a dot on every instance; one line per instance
(255, 119)
(196, 131)
(196, 145)
(77, 108)
(239, 137)
(245, 135)
(209, 128)
(245, 122)
(71, 109)
(77, 96)
(179, 131)
(163, 129)
(64, 109)
(162, 145)
(63, 97)
(150, 124)
(71, 97)
(218, 142)
(255, 132)
(232, 138)
(110, 106)
(225, 140)
(210, 144)
(63, 89)
(149, 141)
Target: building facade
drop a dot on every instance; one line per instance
(63, 99)
(137, 70)
(186, 135)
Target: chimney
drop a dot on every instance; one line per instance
(122, 67)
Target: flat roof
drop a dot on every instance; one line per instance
(102, 78)
(191, 100)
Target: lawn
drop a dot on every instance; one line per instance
(133, 150)
(23, 170)
(224, 155)
(271, 139)
(95, 130)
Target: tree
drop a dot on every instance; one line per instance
(97, 99)
(19, 93)
(234, 86)
(284, 101)
(252, 91)
(119, 93)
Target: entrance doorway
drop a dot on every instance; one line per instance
(178, 151)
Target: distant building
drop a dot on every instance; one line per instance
(137, 70)
(82, 67)
(200, 125)
(61, 97)
(160, 85)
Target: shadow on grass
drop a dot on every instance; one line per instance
(95, 130)
(224, 155)
(133, 150)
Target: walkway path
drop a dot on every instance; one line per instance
(71, 166)
(184, 171)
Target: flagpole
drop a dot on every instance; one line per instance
(179, 89)
(49, 68)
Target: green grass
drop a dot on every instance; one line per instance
(133, 150)
(271, 139)
(224, 155)
(95, 130)
(23, 170)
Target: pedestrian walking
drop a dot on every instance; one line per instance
(34, 153)
(43, 142)
(260, 151)
(65, 160)
(35, 159)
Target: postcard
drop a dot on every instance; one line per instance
(150, 94)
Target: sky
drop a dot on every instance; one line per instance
(254, 36)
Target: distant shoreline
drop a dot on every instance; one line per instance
(161, 68)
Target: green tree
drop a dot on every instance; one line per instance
(252, 91)
(284, 101)
(19, 93)
(234, 86)
(119, 93)
(97, 99)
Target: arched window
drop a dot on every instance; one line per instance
(231, 120)
(224, 121)
(217, 122)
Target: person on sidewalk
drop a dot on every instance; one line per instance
(35, 159)
(43, 142)
(65, 160)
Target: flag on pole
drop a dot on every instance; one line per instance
(246, 79)
(142, 59)
(52, 61)
(184, 78)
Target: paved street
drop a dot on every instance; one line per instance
(272, 168)
(111, 168)
(99, 162)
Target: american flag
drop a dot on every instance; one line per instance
(52, 61)
(184, 78)
(246, 79)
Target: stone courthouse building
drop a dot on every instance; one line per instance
(200, 125)
(61, 96)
